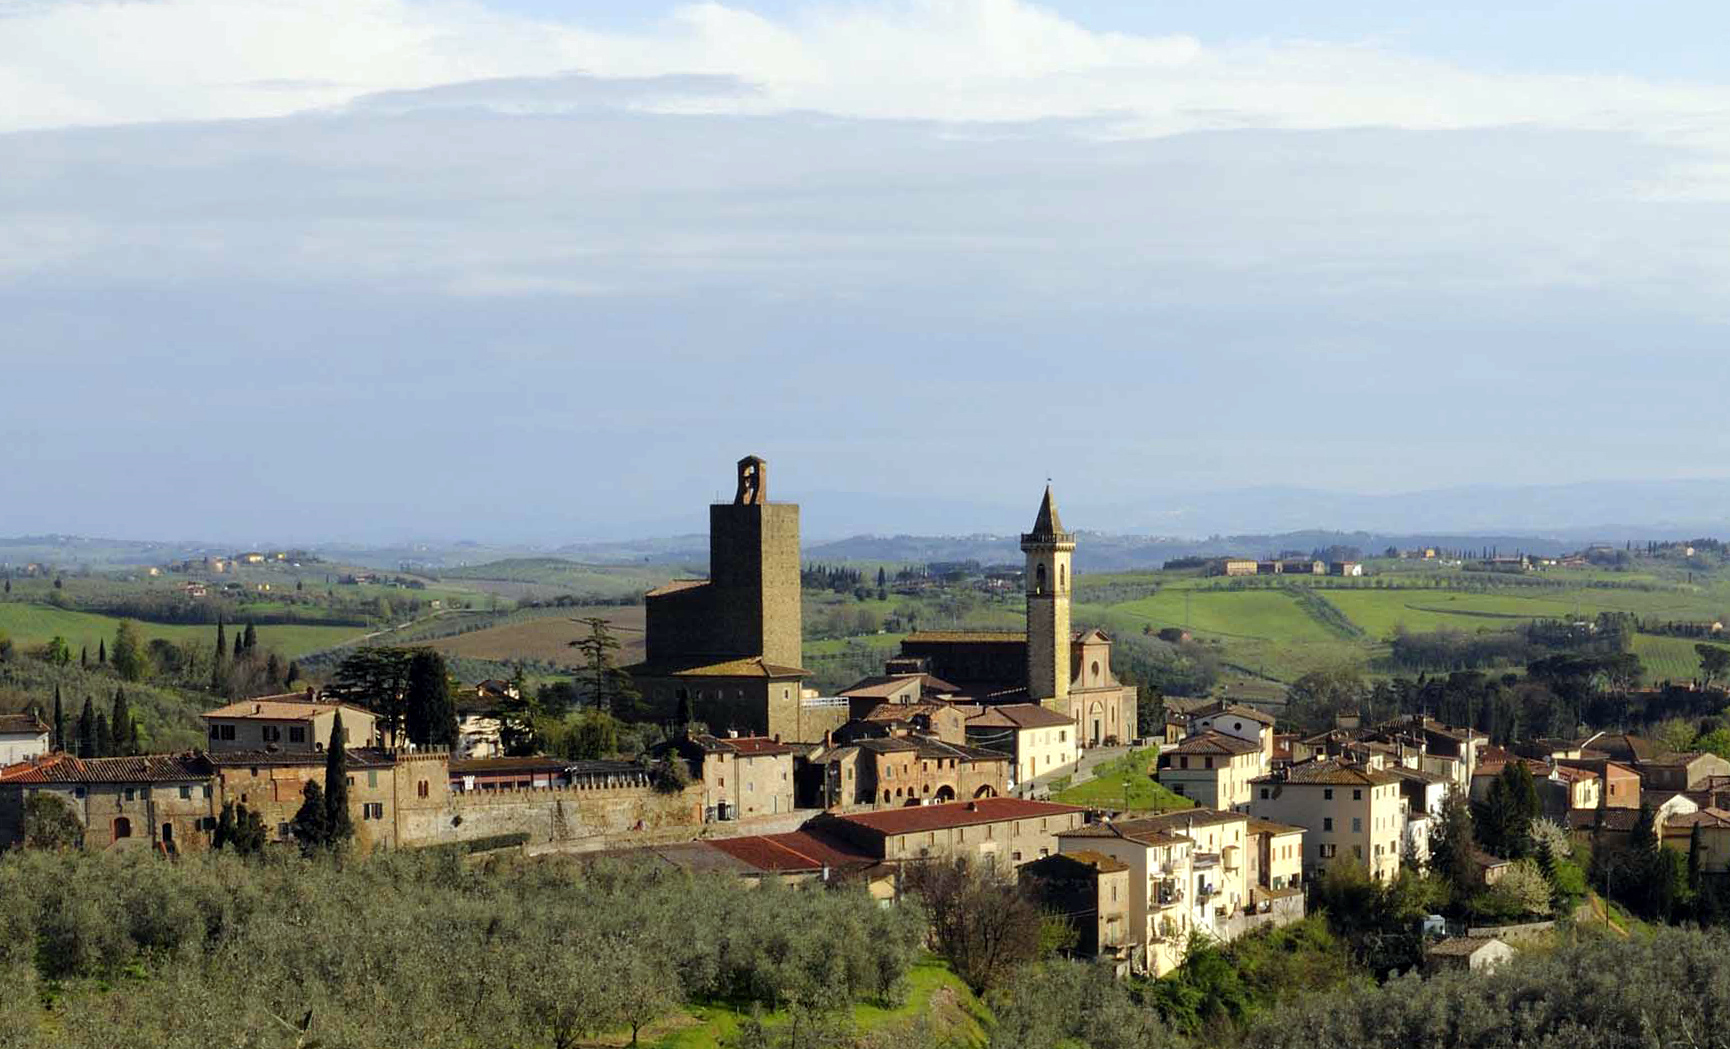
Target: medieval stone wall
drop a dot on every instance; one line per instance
(561, 815)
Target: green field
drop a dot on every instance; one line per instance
(1125, 783)
(29, 625)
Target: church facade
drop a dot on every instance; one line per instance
(1048, 663)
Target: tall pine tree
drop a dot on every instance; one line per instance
(104, 737)
(217, 677)
(249, 639)
(59, 722)
(101, 653)
(341, 827)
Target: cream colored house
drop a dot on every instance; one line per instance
(1160, 885)
(1238, 721)
(1346, 811)
(296, 722)
(22, 737)
(1714, 827)
(1278, 854)
(1213, 769)
(1042, 741)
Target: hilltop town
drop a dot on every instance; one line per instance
(1000, 782)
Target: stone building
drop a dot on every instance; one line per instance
(741, 775)
(161, 802)
(1047, 664)
(1090, 892)
(897, 769)
(728, 648)
(299, 723)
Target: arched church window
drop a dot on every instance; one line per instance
(1062, 577)
(1039, 580)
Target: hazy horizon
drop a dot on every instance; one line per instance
(507, 269)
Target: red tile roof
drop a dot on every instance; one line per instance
(1331, 773)
(21, 724)
(1020, 716)
(956, 814)
(1211, 742)
(152, 768)
(795, 851)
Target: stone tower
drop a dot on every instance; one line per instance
(1048, 548)
(754, 572)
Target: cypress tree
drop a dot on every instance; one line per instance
(431, 717)
(87, 730)
(249, 639)
(1695, 856)
(101, 653)
(238, 650)
(125, 731)
(293, 674)
(59, 722)
(104, 737)
(224, 826)
(216, 674)
(84, 657)
(341, 827)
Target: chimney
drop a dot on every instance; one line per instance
(777, 737)
(973, 806)
(310, 694)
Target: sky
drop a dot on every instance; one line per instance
(520, 270)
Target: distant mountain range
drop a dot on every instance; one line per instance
(1119, 532)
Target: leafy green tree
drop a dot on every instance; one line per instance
(57, 652)
(338, 823)
(377, 679)
(50, 823)
(312, 820)
(1714, 661)
(129, 659)
(1451, 843)
(1716, 742)
(1509, 809)
(609, 688)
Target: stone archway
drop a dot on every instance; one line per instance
(985, 792)
(122, 828)
(945, 793)
(1094, 728)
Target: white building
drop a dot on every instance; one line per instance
(22, 737)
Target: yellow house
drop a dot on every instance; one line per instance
(1159, 885)
(1212, 769)
(296, 722)
(1714, 827)
(1043, 741)
(1278, 856)
(1346, 810)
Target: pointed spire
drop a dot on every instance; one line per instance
(1047, 523)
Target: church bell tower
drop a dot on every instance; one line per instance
(1048, 548)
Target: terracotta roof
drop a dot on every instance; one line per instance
(882, 686)
(795, 851)
(21, 725)
(1094, 861)
(358, 757)
(1212, 742)
(1114, 830)
(151, 768)
(1415, 775)
(1237, 710)
(745, 746)
(293, 707)
(952, 637)
(1620, 820)
(957, 814)
(1179, 822)
(752, 667)
(674, 586)
(1568, 772)
(1708, 817)
(1331, 773)
(1257, 825)
(1020, 716)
